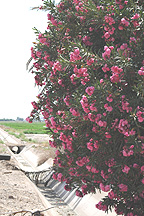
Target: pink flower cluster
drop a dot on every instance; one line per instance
(74, 112)
(67, 141)
(124, 23)
(90, 90)
(109, 29)
(102, 207)
(81, 72)
(82, 161)
(85, 104)
(75, 56)
(57, 66)
(105, 188)
(123, 187)
(126, 169)
(141, 71)
(93, 145)
(108, 108)
(105, 68)
(140, 114)
(53, 20)
(106, 54)
(86, 41)
(116, 71)
(127, 152)
(120, 3)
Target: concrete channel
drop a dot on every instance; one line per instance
(52, 192)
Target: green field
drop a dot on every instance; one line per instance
(26, 128)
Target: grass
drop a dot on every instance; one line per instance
(19, 129)
(1, 142)
(27, 128)
(2, 147)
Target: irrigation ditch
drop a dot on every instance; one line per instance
(64, 203)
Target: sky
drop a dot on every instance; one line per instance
(17, 86)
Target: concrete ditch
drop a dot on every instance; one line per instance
(65, 203)
(78, 206)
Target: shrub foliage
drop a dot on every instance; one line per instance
(89, 64)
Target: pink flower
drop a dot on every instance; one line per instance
(127, 153)
(136, 16)
(116, 69)
(142, 180)
(90, 90)
(100, 123)
(93, 108)
(109, 98)
(135, 165)
(59, 177)
(108, 108)
(142, 194)
(111, 194)
(141, 71)
(91, 29)
(100, 206)
(142, 168)
(130, 214)
(54, 176)
(139, 115)
(90, 146)
(107, 52)
(123, 187)
(86, 41)
(123, 46)
(121, 6)
(126, 169)
(74, 112)
(57, 66)
(107, 35)
(94, 170)
(109, 20)
(67, 188)
(74, 56)
(38, 54)
(79, 193)
(105, 68)
(60, 82)
(107, 135)
(96, 145)
(29, 120)
(91, 117)
(115, 78)
(120, 27)
(105, 188)
(90, 61)
(124, 22)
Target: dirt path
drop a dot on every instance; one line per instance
(16, 190)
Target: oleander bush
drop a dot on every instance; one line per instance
(89, 64)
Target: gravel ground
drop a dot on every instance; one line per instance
(16, 192)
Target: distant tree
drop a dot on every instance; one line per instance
(5, 119)
(19, 119)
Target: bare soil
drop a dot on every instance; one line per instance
(16, 191)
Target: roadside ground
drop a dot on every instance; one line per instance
(17, 192)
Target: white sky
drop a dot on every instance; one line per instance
(17, 89)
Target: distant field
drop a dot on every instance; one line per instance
(27, 128)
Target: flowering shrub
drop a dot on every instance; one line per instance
(90, 66)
